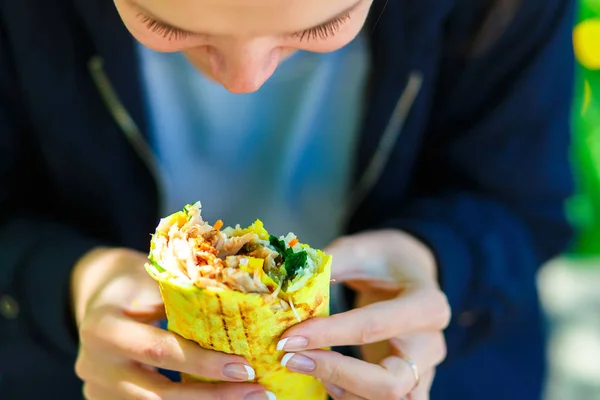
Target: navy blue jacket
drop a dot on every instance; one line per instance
(465, 145)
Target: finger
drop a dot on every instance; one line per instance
(419, 310)
(412, 356)
(137, 383)
(131, 340)
(144, 312)
(427, 349)
(354, 260)
(355, 377)
(337, 393)
(93, 391)
(422, 391)
(147, 304)
(103, 372)
(394, 380)
(377, 255)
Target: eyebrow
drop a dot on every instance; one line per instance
(144, 12)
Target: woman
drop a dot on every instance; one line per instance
(433, 134)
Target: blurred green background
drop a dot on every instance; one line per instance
(570, 285)
(585, 207)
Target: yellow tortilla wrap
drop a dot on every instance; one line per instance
(234, 320)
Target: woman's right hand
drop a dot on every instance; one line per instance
(116, 304)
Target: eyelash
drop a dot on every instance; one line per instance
(317, 33)
(167, 32)
(324, 31)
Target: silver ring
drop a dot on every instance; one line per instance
(414, 368)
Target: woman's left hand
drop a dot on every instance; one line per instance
(399, 321)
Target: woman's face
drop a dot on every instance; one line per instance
(239, 43)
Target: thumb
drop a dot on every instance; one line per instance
(146, 305)
(354, 260)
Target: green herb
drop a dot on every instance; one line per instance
(295, 262)
(156, 265)
(186, 211)
(292, 261)
(278, 244)
(279, 276)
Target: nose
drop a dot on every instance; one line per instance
(243, 67)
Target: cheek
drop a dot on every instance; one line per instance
(198, 57)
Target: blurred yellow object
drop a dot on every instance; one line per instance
(586, 38)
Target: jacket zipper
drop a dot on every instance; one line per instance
(127, 125)
(389, 139)
(365, 184)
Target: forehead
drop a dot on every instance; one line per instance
(245, 16)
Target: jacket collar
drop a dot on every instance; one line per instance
(385, 28)
(115, 46)
(389, 72)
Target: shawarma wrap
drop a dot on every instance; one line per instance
(236, 290)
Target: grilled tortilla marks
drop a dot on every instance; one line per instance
(224, 322)
(231, 291)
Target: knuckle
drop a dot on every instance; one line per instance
(441, 309)
(442, 349)
(373, 331)
(90, 392)
(393, 390)
(87, 392)
(146, 396)
(87, 333)
(334, 373)
(137, 393)
(327, 337)
(91, 333)
(81, 368)
(163, 391)
(157, 352)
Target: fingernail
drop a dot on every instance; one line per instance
(298, 363)
(260, 396)
(334, 390)
(294, 343)
(240, 372)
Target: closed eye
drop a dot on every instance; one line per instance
(325, 30)
(164, 30)
(320, 32)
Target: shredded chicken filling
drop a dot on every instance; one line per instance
(212, 258)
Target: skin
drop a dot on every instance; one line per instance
(400, 311)
(400, 308)
(239, 44)
(115, 304)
